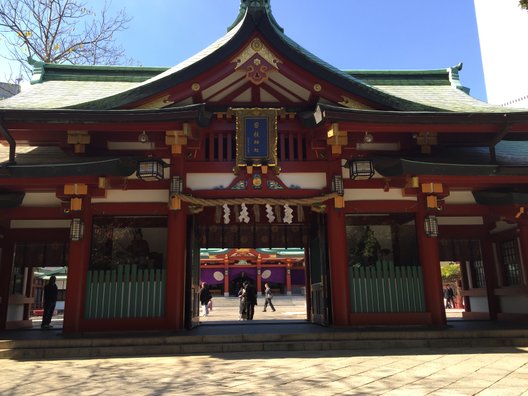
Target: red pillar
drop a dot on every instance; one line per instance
(176, 259)
(337, 254)
(430, 261)
(6, 264)
(226, 276)
(78, 263)
(288, 278)
(259, 274)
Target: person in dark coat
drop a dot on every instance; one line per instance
(251, 300)
(50, 299)
(205, 297)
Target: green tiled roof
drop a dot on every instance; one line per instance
(100, 87)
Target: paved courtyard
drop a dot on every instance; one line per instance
(482, 371)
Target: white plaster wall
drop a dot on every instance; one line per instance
(311, 180)
(40, 199)
(15, 312)
(514, 304)
(41, 223)
(479, 304)
(113, 196)
(470, 220)
(459, 198)
(394, 194)
(209, 181)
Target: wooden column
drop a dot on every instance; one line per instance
(338, 258)
(176, 259)
(430, 262)
(6, 264)
(78, 263)
(226, 276)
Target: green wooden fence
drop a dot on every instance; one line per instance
(125, 292)
(386, 288)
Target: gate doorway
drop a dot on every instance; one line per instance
(31, 266)
(463, 279)
(285, 256)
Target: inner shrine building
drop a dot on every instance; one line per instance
(127, 175)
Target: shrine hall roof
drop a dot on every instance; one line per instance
(103, 88)
(66, 86)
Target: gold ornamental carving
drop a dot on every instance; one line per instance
(257, 61)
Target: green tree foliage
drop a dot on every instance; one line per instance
(450, 272)
(60, 31)
(523, 4)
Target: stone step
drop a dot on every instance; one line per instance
(153, 345)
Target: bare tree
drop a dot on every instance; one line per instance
(60, 31)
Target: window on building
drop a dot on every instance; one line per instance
(382, 238)
(510, 262)
(478, 276)
(136, 240)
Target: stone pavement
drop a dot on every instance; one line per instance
(461, 371)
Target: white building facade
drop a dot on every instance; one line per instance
(503, 28)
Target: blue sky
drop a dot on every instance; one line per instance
(349, 34)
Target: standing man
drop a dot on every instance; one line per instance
(251, 300)
(205, 297)
(268, 296)
(50, 299)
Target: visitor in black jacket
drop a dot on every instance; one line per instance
(251, 300)
(50, 299)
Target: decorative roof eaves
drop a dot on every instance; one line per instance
(53, 72)
(330, 113)
(252, 5)
(255, 19)
(454, 78)
(178, 74)
(402, 77)
(196, 112)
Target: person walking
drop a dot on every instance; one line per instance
(251, 300)
(205, 297)
(268, 296)
(50, 299)
(242, 303)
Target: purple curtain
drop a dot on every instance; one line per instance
(250, 273)
(208, 275)
(276, 274)
(297, 277)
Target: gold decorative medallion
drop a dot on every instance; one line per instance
(258, 62)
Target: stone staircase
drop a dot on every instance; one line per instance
(233, 338)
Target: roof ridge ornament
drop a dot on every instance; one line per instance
(255, 5)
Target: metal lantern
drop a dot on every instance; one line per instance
(176, 185)
(76, 230)
(360, 169)
(431, 226)
(337, 185)
(150, 170)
